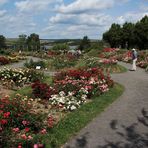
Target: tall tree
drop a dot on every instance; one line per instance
(113, 36)
(2, 42)
(85, 43)
(33, 42)
(127, 36)
(21, 43)
(141, 33)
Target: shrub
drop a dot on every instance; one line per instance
(19, 77)
(32, 64)
(4, 60)
(63, 61)
(19, 123)
(41, 90)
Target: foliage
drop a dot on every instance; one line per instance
(63, 61)
(2, 42)
(129, 35)
(5, 51)
(18, 77)
(32, 64)
(33, 42)
(71, 89)
(22, 42)
(141, 33)
(4, 60)
(62, 47)
(42, 90)
(19, 124)
(84, 44)
(113, 36)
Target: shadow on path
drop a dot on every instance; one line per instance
(131, 137)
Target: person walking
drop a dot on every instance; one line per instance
(134, 58)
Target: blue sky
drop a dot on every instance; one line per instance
(67, 18)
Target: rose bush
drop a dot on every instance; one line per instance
(18, 77)
(19, 123)
(4, 60)
(72, 88)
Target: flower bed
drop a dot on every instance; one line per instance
(72, 88)
(63, 61)
(107, 65)
(18, 77)
(19, 123)
(125, 56)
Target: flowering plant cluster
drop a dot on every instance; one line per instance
(142, 64)
(109, 61)
(109, 64)
(18, 77)
(63, 61)
(52, 53)
(71, 101)
(18, 122)
(110, 49)
(126, 56)
(143, 59)
(72, 88)
(4, 60)
(42, 90)
(16, 58)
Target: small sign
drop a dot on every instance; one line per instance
(38, 67)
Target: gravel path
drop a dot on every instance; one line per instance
(124, 124)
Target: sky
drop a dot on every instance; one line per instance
(63, 19)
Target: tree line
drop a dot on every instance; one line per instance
(129, 35)
(30, 43)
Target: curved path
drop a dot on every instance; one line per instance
(124, 124)
(20, 64)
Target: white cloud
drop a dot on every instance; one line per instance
(17, 24)
(80, 6)
(2, 13)
(34, 5)
(131, 17)
(3, 2)
(81, 19)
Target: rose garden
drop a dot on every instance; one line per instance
(48, 96)
(36, 107)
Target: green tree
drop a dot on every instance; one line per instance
(2, 42)
(84, 43)
(113, 36)
(127, 36)
(63, 46)
(141, 33)
(33, 42)
(22, 40)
